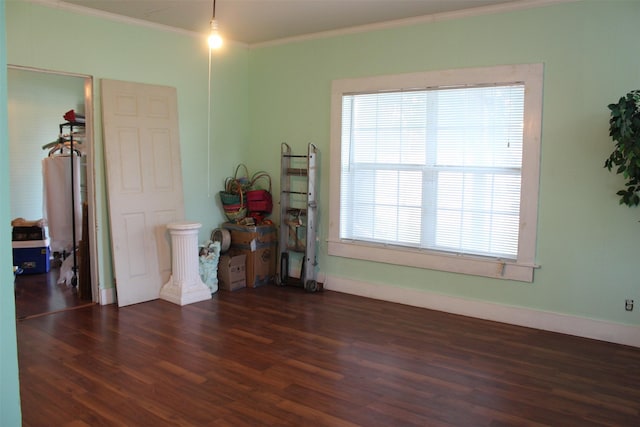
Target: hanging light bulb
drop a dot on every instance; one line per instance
(215, 39)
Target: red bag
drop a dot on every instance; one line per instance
(259, 200)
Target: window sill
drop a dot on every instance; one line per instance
(464, 264)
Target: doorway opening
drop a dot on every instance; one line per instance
(52, 276)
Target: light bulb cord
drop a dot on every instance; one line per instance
(209, 129)
(214, 29)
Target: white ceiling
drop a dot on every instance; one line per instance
(259, 21)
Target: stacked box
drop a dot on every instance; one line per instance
(232, 272)
(259, 244)
(33, 256)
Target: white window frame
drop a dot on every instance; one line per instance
(520, 269)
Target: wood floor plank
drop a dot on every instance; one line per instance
(274, 356)
(40, 294)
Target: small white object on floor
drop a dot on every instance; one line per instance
(66, 271)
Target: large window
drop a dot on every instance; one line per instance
(438, 170)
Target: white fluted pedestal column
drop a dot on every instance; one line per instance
(185, 285)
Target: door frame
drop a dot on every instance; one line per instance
(91, 181)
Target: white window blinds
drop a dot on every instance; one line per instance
(436, 169)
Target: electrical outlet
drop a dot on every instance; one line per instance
(628, 304)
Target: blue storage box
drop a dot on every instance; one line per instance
(32, 256)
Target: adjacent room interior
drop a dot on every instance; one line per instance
(36, 191)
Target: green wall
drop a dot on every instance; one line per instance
(60, 40)
(37, 102)
(9, 387)
(586, 241)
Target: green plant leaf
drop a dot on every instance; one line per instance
(624, 130)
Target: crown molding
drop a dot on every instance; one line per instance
(87, 11)
(436, 17)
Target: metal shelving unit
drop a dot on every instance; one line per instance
(298, 218)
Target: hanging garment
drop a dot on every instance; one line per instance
(58, 211)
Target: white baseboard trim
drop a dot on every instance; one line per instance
(549, 321)
(107, 296)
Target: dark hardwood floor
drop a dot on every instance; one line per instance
(280, 357)
(38, 294)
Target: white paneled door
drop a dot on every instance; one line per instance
(144, 184)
